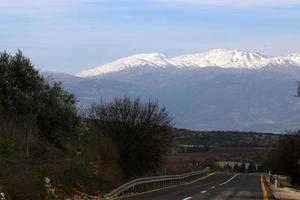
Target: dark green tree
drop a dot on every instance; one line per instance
(59, 117)
(20, 86)
(26, 97)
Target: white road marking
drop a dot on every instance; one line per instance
(203, 191)
(187, 198)
(229, 179)
(213, 187)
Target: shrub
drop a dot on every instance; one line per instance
(141, 131)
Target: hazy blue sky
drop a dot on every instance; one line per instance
(71, 35)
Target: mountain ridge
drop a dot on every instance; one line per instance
(204, 98)
(248, 92)
(223, 58)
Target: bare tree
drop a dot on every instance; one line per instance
(142, 131)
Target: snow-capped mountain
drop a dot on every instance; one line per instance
(223, 58)
(216, 90)
(140, 60)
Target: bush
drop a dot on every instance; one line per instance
(141, 131)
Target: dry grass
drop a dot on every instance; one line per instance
(22, 157)
(100, 156)
(285, 193)
(87, 166)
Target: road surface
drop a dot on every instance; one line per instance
(221, 186)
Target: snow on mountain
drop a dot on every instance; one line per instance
(281, 60)
(140, 60)
(223, 58)
(295, 58)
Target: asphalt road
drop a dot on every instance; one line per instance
(221, 186)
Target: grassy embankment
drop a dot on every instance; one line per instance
(88, 165)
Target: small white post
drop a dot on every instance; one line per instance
(2, 196)
(276, 183)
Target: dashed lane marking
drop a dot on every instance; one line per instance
(187, 198)
(203, 191)
(229, 180)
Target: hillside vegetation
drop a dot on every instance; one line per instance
(49, 151)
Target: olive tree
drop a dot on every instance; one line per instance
(29, 99)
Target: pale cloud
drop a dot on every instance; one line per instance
(44, 3)
(234, 2)
(36, 7)
(36, 3)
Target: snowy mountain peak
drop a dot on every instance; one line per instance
(138, 60)
(224, 58)
(295, 57)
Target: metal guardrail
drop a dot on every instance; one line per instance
(156, 182)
